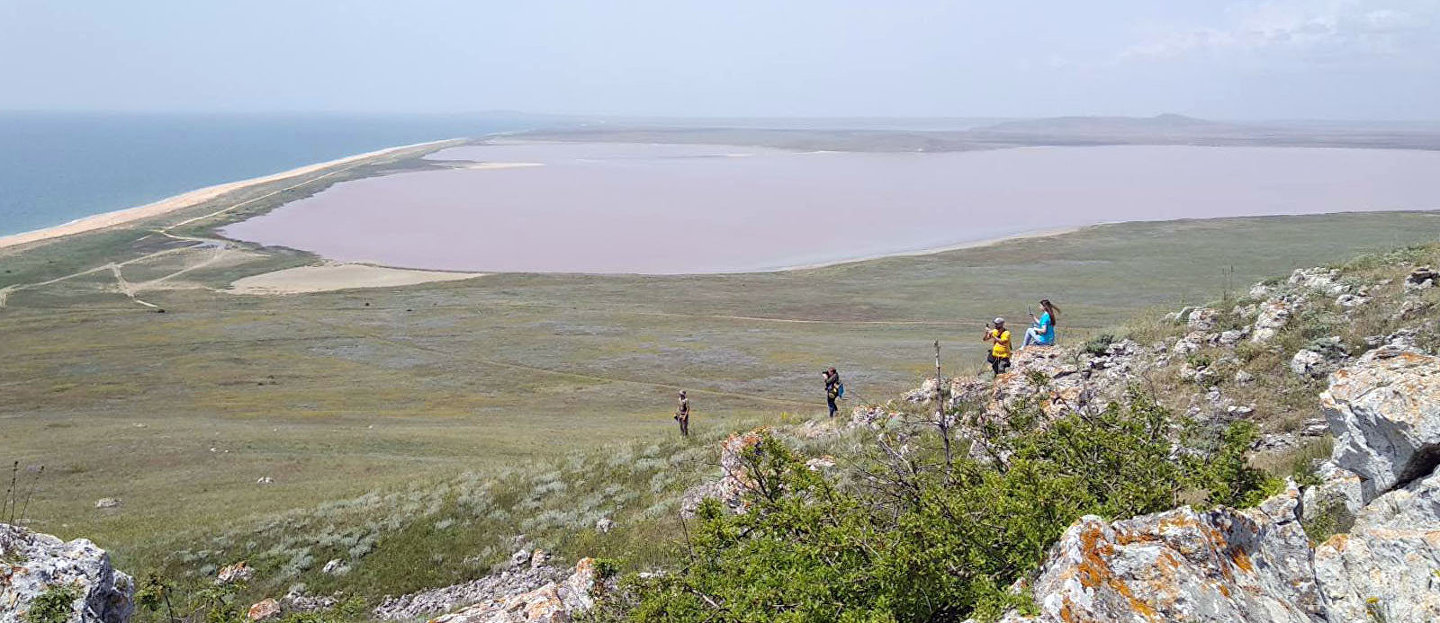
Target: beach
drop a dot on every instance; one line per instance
(192, 198)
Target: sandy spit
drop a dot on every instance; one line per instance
(184, 200)
(330, 277)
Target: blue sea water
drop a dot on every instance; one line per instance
(57, 167)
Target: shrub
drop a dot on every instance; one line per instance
(927, 539)
(55, 605)
(1097, 345)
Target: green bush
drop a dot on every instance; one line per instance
(1098, 344)
(923, 538)
(55, 605)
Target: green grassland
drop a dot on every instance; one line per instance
(337, 395)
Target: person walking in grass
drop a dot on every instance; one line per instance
(833, 390)
(1042, 332)
(999, 339)
(682, 414)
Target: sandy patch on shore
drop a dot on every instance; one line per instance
(186, 200)
(496, 165)
(330, 277)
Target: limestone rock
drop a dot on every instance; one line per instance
(604, 525)
(1274, 314)
(1325, 280)
(32, 563)
(734, 481)
(238, 572)
(107, 503)
(1222, 565)
(1388, 567)
(1384, 411)
(1202, 319)
(264, 610)
(1420, 279)
(553, 602)
(1339, 491)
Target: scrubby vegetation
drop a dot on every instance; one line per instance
(55, 605)
(917, 537)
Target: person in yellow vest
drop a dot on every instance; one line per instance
(999, 339)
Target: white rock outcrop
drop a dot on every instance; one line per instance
(1185, 565)
(1387, 568)
(1384, 411)
(34, 564)
(554, 602)
(1274, 314)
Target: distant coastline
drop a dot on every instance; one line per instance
(190, 199)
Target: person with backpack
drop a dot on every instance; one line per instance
(834, 389)
(1042, 333)
(999, 339)
(682, 415)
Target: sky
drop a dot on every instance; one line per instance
(1273, 59)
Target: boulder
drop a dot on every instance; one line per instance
(1387, 568)
(553, 602)
(34, 564)
(734, 481)
(1203, 319)
(1384, 411)
(1222, 565)
(108, 503)
(1420, 279)
(1309, 363)
(1274, 314)
(1325, 280)
(1339, 492)
(238, 572)
(264, 610)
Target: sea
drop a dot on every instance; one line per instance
(58, 167)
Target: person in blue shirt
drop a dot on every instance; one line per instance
(1042, 333)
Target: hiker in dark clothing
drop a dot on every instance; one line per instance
(682, 415)
(832, 389)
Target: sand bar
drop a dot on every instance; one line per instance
(331, 277)
(188, 199)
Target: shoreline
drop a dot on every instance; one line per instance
(188, 199)
(974, 244)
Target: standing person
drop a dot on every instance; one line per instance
(1042, 333)
(682, 415)
(832, 389)
(999, 339)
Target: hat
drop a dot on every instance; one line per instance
(999, 320)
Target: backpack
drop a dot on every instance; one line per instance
(840, 390)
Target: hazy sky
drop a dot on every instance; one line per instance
(1348, 59)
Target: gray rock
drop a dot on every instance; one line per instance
(1384, 411)
(1274, 314)
(553, 602)
(604, 525)
(1308, 363)
(1338, 492)
(1420, 279)
(1385, 569)
(108, 503)
(1202, 319)
(32, 563)
(1324, 280)
(1222, 565)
